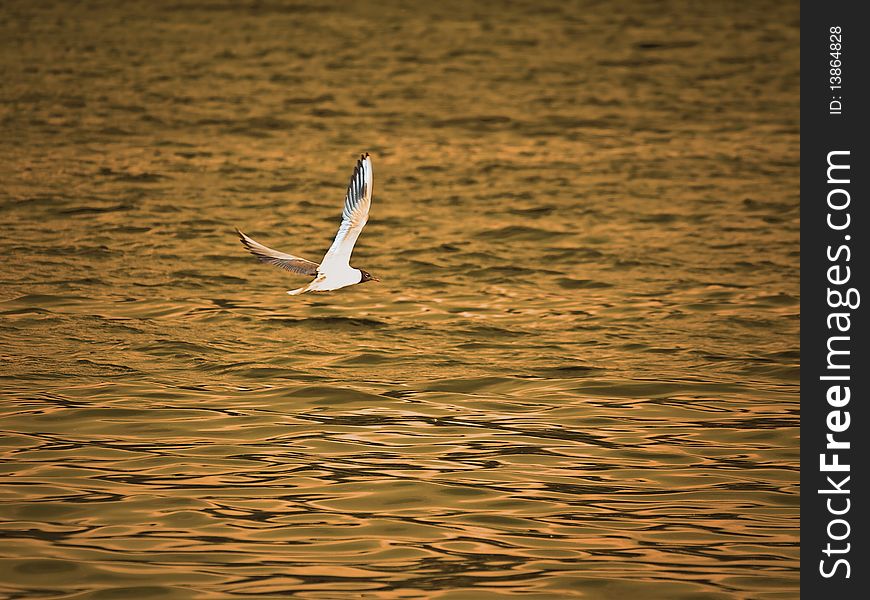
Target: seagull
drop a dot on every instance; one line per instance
(334, 271)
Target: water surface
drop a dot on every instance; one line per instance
(577, 378)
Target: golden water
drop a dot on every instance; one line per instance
(577, 378)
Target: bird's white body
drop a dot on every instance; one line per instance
(334, 271)
(333, 280)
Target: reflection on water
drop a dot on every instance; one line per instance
(578, 377)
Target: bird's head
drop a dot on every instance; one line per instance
(366, 276)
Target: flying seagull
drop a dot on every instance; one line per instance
(334, 271)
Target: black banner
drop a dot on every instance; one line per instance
(834, 369)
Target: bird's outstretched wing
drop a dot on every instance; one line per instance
(279, 259)
(354, 217)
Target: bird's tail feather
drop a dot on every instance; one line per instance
(298, 291)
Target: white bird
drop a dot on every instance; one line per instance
(334, 271)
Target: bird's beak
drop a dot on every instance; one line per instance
(375, 279)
